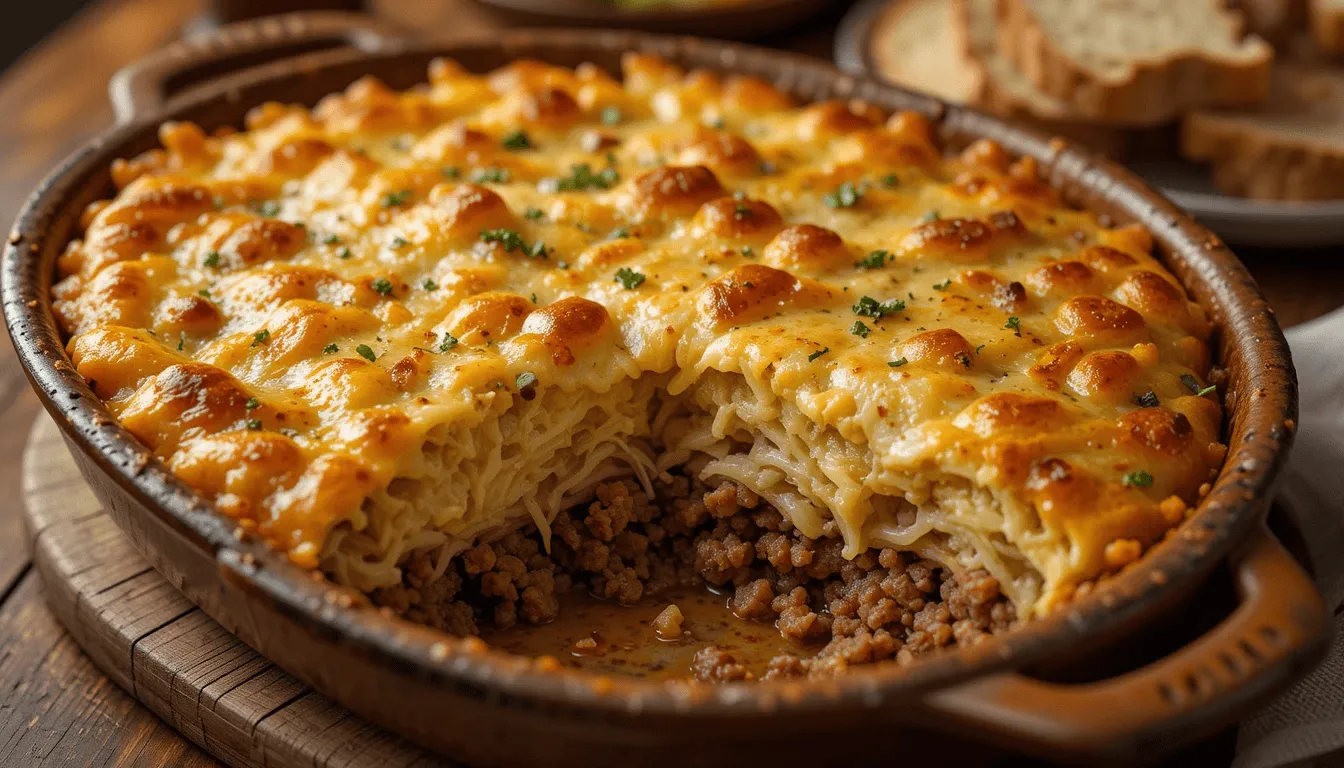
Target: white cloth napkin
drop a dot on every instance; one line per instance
(1305, 726)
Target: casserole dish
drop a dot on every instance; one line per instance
(474, 703)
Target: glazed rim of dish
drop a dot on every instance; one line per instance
(1261, 390)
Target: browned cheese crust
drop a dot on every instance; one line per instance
(410, 322)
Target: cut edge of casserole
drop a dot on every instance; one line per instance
(408, 322)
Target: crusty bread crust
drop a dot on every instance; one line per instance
(1150, 91)
(927, 45)
(1292, 149)
(908, 50)
(1327, 26)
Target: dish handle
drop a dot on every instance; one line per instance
(144, 86)
(1279, 627)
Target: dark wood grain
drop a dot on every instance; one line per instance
(59, 709)
(55, 707)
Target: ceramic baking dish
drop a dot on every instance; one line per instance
(487, 707)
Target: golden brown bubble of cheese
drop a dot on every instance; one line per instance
(402, 323)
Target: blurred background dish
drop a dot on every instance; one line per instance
(725, 19)
(1259, 159)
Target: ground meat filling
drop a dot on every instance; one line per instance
(882, 605)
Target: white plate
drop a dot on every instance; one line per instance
(1236, 220)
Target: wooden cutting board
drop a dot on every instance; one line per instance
(166, 652)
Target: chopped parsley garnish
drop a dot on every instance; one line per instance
(449, 341)
(450, 172)
(382, 285)
(897, 363)
(581, 177)
(330, 349)
(870, 307)
(611, 116)
(261, 337)
(977, 349)
(963, 358)
(344, 253)
(269, 208)
(741, 212)
(534, 298)
(252, 404)
(429, 285)
(366, 352)
(537, 251)
(203, 292)
(844, 196)
(254, 424)
(181, 343)
(812, 357)
(930, 216)
(532, 214)
(874, 260)
(400, 242)
(1138, 478)
(212, 259)
(1192, 384)
(943, 286)
(491, 175)
(629, 278)
(619, 233)
(1147, 400)
(890, 180)
(860, 330)
(526, 379)
(516, 140)
(1014, 324)
(512, 241)
(747, 251)
(392, 199)
(331, 240)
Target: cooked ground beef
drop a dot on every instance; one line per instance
(881, 605)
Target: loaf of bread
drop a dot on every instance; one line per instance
(948, 48)
(1135, 61)
(1291, 148)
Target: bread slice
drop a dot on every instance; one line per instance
(947, 48)
(1136, 60)
(914, 45)
(1327, 25)
(1291, 148)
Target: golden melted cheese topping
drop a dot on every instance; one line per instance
(894, 346)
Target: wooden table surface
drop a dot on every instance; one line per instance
(55, 707)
